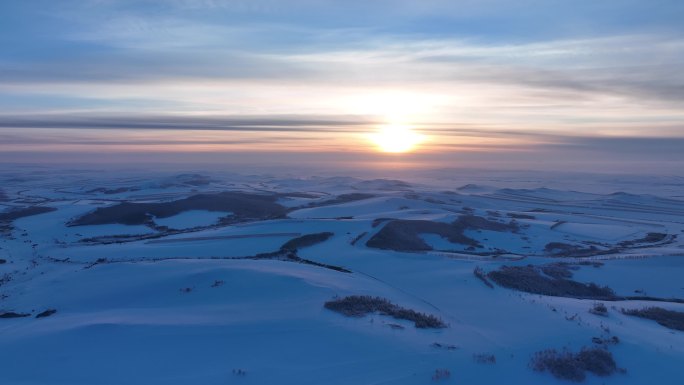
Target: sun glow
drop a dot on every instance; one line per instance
(396, 138)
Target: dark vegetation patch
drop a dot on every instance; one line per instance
(306, 241)
(344, 198)
(473, 222)
(520, 216)
(599, 309)
(485, 358)
(383, 184)
(3, 196)
(11, 314)
(109, 191)
(482, 276)
(404, 235)
(532, 279)
(558, 270)
(195, 180)
(441, 374)
(358, 238)
(2, 261)
(434, 201)
(243, 206)
(378, 221)
(648, 238)
(589, 263)
(46, 313)
(296, 194)
(558, 223)
(570, 366)
(614, 340)
(560, 249)
(669, 318)
(295, 258)
(17, 213)
(122, 238)
(5, 278)
(358, 306)
(291, 256)
(438, 345)
(554, 280)
(469, 186)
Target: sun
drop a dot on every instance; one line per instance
(396, 138)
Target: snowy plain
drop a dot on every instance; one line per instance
(189, 299)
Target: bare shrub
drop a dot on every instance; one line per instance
(441, 374)
(485, 358)
(239, 372)
(438, 345)
(573, 366)
(614, 340)
(357, 306)
(599, 309)
(597, 361)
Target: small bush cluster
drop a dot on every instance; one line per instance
(573, 366)
(485, 358)
(358, 305)
(441, 374)
(239, 372)
(614, 340)
(438, 345)
(669, 318)
(599, 309)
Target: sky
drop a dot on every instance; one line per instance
(528, 84)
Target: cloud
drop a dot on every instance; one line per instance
(166, 122)
(562, 76)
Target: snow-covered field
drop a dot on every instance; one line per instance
(154, 292)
